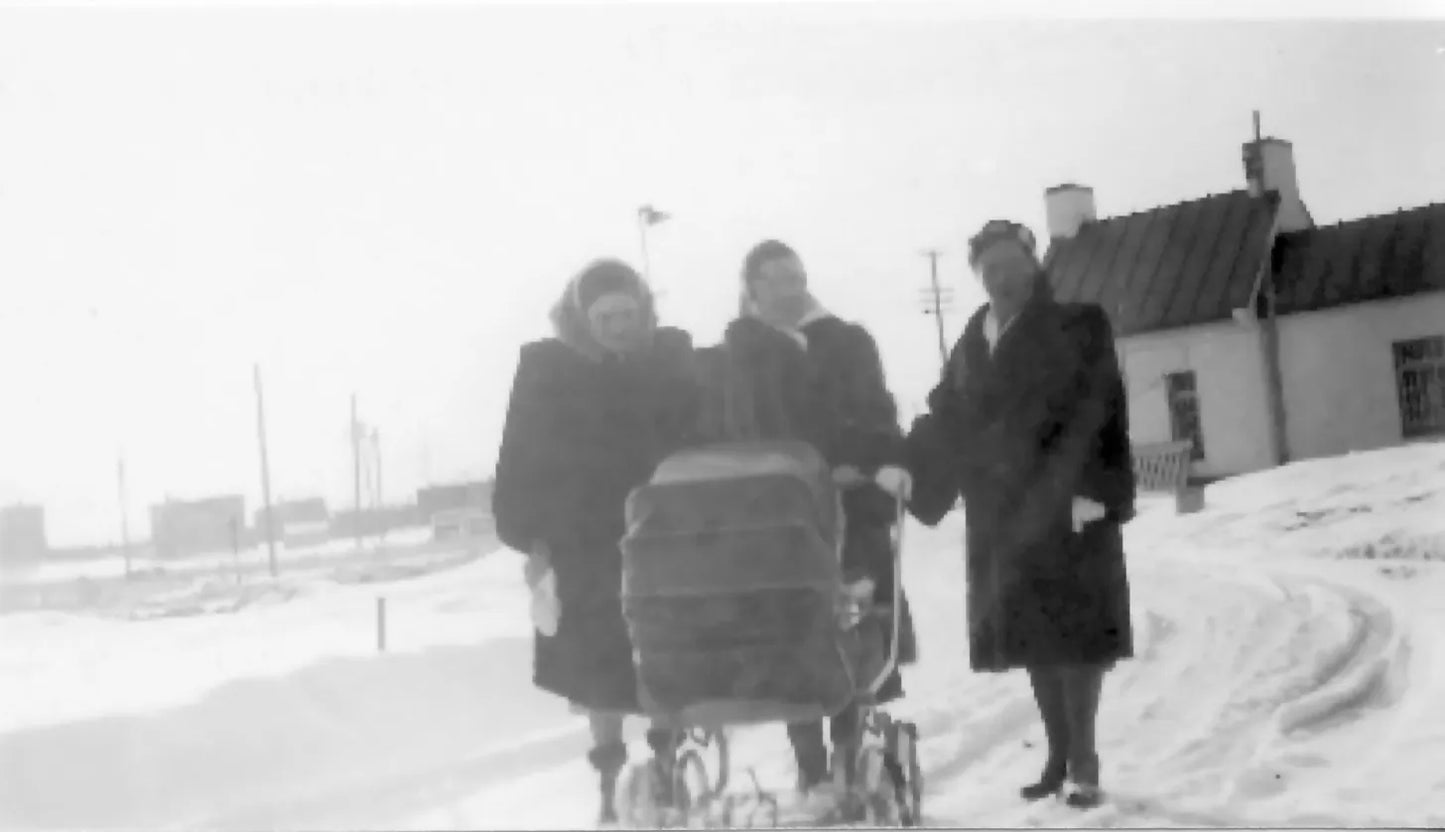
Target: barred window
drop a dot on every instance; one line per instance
(1420, 384)
(1184, 418)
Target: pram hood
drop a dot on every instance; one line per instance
(731, 517)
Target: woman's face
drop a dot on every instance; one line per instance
(616, 321)
(1008, 272)
(781, 290)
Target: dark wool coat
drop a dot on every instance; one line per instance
(762, 384)
(581, 432)
(1021, 432)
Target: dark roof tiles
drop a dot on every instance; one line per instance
(1174, 266)
(1392, 255)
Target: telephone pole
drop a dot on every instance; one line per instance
(936, 299)
(265, 476)
(124, 518)
(356, 464)
(380, 496)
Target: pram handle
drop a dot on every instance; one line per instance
(896, 541)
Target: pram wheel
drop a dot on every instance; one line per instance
(905, 772)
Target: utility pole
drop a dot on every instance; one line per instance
(265, 477)
(936, 299)
(124, 518)
(356, 464)
(380, 496)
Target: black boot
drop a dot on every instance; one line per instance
(1050, 782)
(810, 752)
(663, 743)
(608, 760)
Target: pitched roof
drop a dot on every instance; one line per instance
(1189, 263)
(1366, 259)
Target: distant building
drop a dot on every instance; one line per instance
(466, 495)
(188, 527)
(22, 533)
(297, 522)
(459, 510)
(1256, 335)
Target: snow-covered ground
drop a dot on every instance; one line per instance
(1290, 640)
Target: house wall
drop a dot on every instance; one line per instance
(1228, 366)
(1339, 372)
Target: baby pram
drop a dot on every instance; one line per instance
(734, 597)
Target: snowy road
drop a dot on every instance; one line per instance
(1248, 685)
(1290, 659)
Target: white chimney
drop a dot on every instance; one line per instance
(1269, 166)
(1068, 207)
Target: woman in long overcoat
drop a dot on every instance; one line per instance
(1030, 422)
(808, 375)
(592, 412)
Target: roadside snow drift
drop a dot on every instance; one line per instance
(1289, 665)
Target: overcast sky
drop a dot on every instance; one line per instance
(385, 200)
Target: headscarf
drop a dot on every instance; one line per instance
(598, 278)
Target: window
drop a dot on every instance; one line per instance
(1420, 384)
(1184, 410)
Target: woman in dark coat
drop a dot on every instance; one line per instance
(592, 412)
(805, 374)
(1031, 424)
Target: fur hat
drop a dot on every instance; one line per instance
(997, 231)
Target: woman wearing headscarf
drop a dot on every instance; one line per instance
(593, 410)
(801, 373)
(1030, 425)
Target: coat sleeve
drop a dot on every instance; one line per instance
(1090, 457)
(935, 480)
(680, 390)
(525, 498)
(869, 434)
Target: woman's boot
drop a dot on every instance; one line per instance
(608, 759)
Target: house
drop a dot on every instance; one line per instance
(22, 534)
(187, 527)
(460, 510)
(1257, 335)
(297, 522)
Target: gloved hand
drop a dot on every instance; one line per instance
(546, 609)
(895, 481)
(1085, 512)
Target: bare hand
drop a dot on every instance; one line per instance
(847, 476)
(1086, 511)
(539, 563)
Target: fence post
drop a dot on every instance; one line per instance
(381, 624)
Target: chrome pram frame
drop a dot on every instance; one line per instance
(881, 786)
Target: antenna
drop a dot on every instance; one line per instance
(1256, 126)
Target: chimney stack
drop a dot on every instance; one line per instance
(1269, 166)
(1068, 207)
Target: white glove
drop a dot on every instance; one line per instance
(1086, 511)
(546, 610)
(895, 481)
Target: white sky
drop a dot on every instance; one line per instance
(386, 199)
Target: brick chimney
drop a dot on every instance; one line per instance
(1068, 207)
(1269, 166)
